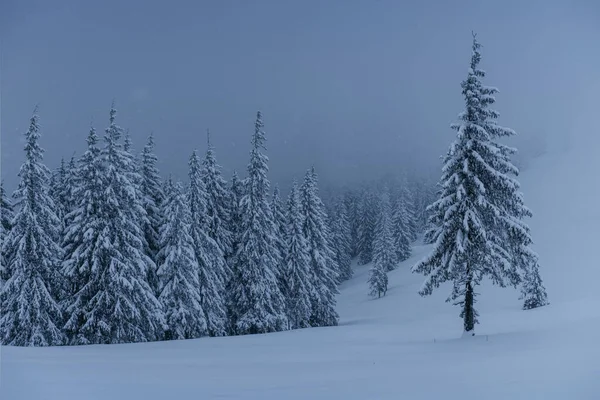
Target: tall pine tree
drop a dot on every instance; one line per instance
(401, 230)
(298, 289)
(178, 271)
(322, 258)
(212, 270)
(81, 245)
(152, 198)
(217, 202)
(366, 227)
(384, 257)
(477, 219)
(256, 303)
(31, 315)
(342, 240)
(279, 221)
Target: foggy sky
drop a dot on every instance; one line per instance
(357, 88)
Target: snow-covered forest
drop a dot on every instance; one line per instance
(104, 249)
(107, 249)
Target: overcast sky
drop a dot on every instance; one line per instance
(357, 88)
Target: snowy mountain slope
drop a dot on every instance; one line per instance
(398, 347)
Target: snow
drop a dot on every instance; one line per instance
(401, 346)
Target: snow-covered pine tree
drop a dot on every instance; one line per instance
(256, 303)
(408, 200)
(366, 229)
(351, 202)
(341, 238)
(55, 190)
(31, 315)
(212, 270)
(384, 257)
(279, 221)
(6, 218)
(152, 198)
(116, 303)
(401, 230)
(81, 246)
(217, 202)
(324, 269)
(383, 245)
(533, 290)
(478, 214)
(67, 191)
(178, 271)
(236, 192)
(298, 289)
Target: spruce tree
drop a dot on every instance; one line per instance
(342, 240)
(217, 202)
(401, 230)
(408, 201)
(115, 302)
(279, 221)
(352, 203)
(178, 271)
(31, 315)
(212, 270)
(378, 280)
(67, 192)
(6, 219)
(324, 269)
(152, 198)
(256, 303)
(236, 192)
(477, 218)
(81, 244)
(56, 189)
(298, 289)
(533, 290)
(366, 229)
(384, 257)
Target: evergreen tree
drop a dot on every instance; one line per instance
(378, 280)
(533, 290)
(152, 198)
(342, 239)
(67, 191)
(236, 192)
(256, 303)
(323, 267)
(217, 202)
(116, 303)
(211, 262)
(56, 190)
(81, 242)
(366, 228)
(279, 221)
(478, 215)
(383, 245)
(400, 230)
(351, 202)
(178, 271)
(408, 201)
(31, 315)
(6, 218)
(298, 289)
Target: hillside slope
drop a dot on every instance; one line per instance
(398, 347)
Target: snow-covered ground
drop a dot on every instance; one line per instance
(398, 347)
